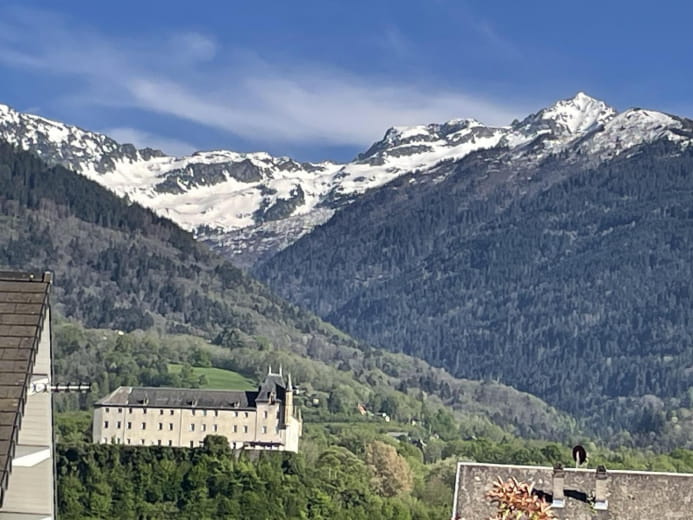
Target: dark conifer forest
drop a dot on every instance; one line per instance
(572, 283)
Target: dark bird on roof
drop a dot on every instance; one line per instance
(579, 455)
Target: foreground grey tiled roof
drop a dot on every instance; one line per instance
(179, 398)
(631, 495)
(23, 304)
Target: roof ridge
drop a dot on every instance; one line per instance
(26, 276)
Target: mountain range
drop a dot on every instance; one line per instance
(119, 268)
(251, 205)
(562, 267)
(553, 254)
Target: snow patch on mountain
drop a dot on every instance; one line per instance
(254, 202)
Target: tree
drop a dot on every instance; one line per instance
(391, 472)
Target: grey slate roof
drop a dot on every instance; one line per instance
(273, 385)
(23, 304)
(631, 495)
(179, 398)
(162, 397)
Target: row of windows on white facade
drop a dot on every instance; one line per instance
(191, 427)
(193, 412)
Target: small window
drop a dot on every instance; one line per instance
(161, 426)
(170, 426)
(161, 412)
(235, 428)
(158, 442)
(266, 414)
(129, 410)
(129, 425)
(144, 425)
(235, 414)
(191, 428)
(245, 429)
(142, 442)
(170, 442)
(193, 412)
(192, 444)
(128, 441)
(215, 427)
(264, 429)
(118, 424)
(170, 412)
(105, 424)
(144, 411)
(204, 427)
(216, 413)
(246, 414)
(108, 410)
(120, 410)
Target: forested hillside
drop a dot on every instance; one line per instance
(118, 266)
(354, 474)
(575, 284)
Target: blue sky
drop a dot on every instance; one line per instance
(323, 79)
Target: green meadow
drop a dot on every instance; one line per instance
(218, 378)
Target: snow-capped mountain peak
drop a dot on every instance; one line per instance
(568, 117)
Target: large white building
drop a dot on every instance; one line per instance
(265, 419)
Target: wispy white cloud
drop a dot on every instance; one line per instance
(496, 40)
(143, 139)
(196, 47)
(484, 33)
(186, 76)
(394, 41)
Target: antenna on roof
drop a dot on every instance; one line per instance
(579, 455)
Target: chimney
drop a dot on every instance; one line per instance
(600, 489)
(558, 501)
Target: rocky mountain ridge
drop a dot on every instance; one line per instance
(251, 205)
